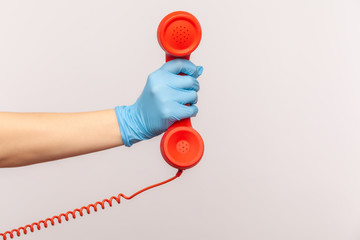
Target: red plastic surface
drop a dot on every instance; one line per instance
(179, 34)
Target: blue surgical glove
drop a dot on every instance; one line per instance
(161, 103)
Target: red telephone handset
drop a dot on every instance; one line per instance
(179, 34)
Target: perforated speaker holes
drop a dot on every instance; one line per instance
(183, 146)
(180, 34)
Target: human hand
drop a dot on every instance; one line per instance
(162, 102)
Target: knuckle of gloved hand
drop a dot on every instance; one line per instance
(196, 110)
(193, 96)
(162, 100)
(165, 113)
(154, 90)
(151, 77)
(196, 99)
(154, 77)
(196, 85)
(189, 80)
(178, 61)
(155, 85)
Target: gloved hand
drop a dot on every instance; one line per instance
(161, 103)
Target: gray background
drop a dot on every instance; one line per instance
(279, 110)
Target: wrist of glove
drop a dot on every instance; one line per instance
(162, 102)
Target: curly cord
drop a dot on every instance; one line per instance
(80, 211)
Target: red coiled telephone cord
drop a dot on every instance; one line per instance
(80, 211)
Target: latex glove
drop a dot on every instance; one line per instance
(161, 103)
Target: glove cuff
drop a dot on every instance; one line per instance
(129, 133)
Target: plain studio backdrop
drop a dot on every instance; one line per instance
(279, 111)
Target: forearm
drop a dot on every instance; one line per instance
(28, 138)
